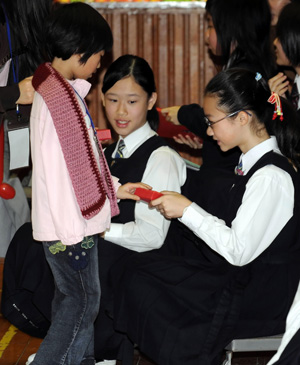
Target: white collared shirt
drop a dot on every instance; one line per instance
(267, 206)
(165, 170)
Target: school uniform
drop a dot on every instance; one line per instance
(216, 170)
(184, 310)
(147, 158)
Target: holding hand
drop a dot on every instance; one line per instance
(26, 91)
(170, 114)
(193, 142)
(171, 204)
(279, 84)
(126, 191)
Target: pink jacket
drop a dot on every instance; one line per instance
(55, 211)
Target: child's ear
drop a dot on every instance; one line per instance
(152, 101)
(103, 99)
(244, 117)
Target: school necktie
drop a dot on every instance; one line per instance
(295, 95)
(239, 169)
(119, 153)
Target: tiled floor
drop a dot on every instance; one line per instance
(16, 346)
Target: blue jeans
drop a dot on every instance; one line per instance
(70, 339)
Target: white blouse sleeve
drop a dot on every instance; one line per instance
(165, 170)
(266, 207)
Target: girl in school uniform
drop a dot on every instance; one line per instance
(237, 35)
(129, 96)
(241, 283)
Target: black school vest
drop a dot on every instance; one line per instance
(285, 247)
(131, 170)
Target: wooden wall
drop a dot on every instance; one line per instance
(171, 39)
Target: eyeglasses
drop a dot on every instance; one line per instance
(211, 124)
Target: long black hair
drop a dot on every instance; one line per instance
(288, 32)
(240, 89)
(26, 21)
(140, 70)
(243, 33)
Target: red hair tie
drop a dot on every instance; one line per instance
(275, 99)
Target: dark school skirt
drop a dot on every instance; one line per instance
(186, 310)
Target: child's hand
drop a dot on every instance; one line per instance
(279, 84)
(126, 191)
(170, 114)
(171, 204)
(193, 142)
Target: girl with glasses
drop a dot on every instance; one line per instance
(237, 35)
(243, 275)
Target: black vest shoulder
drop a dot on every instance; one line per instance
(131, 170)
(286, 246)
(239, 185)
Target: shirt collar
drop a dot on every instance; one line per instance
(134, 139)
(252, 156)
(81, 86)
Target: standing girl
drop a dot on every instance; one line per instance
(73, 193)
(243, 279)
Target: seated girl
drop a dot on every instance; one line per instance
(129, 96)
(185, 310)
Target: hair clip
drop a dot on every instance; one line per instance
(258, 76)
(275, 99)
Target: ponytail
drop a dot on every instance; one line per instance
(153, 118)
(287, 132)
(241, 89)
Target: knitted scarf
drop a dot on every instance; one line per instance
(90, 186)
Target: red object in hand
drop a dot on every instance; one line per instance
(103, 134)
(147, 195)
(169, 130)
